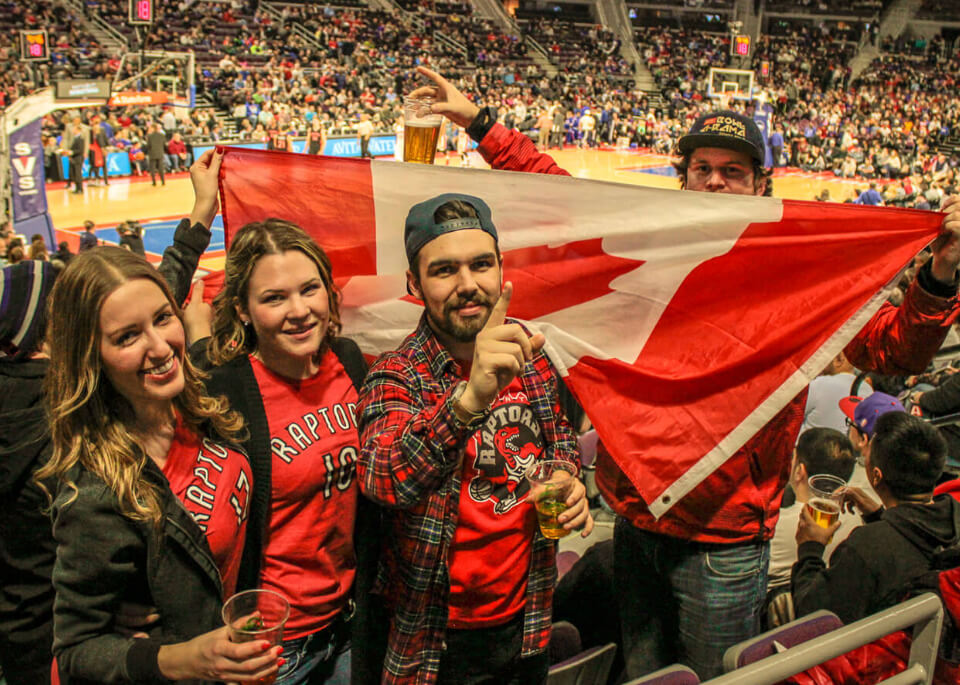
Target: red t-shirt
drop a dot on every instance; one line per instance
(214, 484)
(490, 556)
(309, 556)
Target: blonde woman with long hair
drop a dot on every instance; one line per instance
(151, 490)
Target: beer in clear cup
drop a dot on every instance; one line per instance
(550, 485)
(257, 615)
(421, 130)
(824, 502)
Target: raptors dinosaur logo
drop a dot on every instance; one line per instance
(509, 441)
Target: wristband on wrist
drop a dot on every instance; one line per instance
(465, 417)
(482, 124)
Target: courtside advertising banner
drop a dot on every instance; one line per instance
(682, 321)
(27, 181)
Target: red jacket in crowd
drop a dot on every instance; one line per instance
(740, 501)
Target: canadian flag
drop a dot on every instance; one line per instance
(681, 321)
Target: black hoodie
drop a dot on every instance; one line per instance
(27, 549)
(874, 567)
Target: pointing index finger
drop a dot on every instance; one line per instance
(432, 75)
(499, 311)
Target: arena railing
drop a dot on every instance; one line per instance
(924, 613)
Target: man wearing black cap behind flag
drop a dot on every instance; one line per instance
(692, 583)
(449, 423)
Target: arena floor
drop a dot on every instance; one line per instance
(159, 208)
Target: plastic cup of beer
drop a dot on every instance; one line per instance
(257, 615)
(421, 130)
(550, 484)
(824, 502)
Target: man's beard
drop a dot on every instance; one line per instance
(464, 331)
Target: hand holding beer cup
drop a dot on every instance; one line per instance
(447, 100)
(810, 530)
(257, 616)
(560, 499)
(854, 498)
(823, 506)
(550, 485)
(421, 129)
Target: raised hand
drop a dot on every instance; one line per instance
(450, 102)
(197, 315)
(205, 176)
(500, 352)
(946, 248)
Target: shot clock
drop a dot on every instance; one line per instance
(141, 11)
(34, 45)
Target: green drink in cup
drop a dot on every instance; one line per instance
(550, 485)
(257, 615)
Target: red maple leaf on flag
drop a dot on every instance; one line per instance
(542, 276)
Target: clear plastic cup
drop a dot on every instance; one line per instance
(421, 130)
(550, 484)
(824, 502)
(257, 615)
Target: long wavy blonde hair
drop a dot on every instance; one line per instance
(90, 422)
(230, 337)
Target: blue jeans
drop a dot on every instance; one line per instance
(317, 658)
(683, 601)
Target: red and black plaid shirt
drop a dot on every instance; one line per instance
(410, 462)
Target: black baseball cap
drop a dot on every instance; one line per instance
(421, 228)
(726, 129)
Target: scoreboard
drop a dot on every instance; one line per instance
(141, 12)
(34, 45)
(741, 46)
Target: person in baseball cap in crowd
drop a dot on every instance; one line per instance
(692, 582)
(724, 152)
(862, 414)
(468, 575)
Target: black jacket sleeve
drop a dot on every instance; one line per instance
(845, 588)
(945, 399)
(180, 259)
(99, 556)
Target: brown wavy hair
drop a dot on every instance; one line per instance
(90, 422)
(230, 337)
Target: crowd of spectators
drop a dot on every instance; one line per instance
(73, 52)
(939, 9)
(577, 46)
(862, 8)
(887, 125)
(281, 72)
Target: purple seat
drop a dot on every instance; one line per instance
(777, 640)
(588, 447)
(591, 667)
(671, 675)
(565, 562)
(564, 642)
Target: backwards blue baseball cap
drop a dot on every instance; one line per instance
(421, 227)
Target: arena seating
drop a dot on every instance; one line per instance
(283, 64)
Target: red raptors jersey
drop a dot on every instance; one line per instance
(309, 555)
(214, 483)
(490, 555)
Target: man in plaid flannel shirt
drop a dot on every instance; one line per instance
(467, 400)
